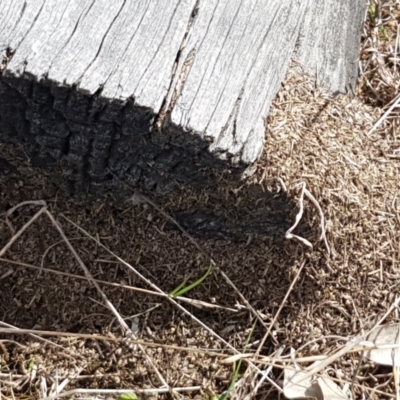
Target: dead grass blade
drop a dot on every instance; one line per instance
(39, 333)
(171, 299)
(142, 198)
(193, 302)
(396, 104)
(26, 226)
(121, 321)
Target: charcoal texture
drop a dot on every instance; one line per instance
(102, 143)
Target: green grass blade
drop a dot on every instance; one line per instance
(177, 289)
(181, 290)
(227, 394)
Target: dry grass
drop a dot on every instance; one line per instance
(321, 156)
(379, 59)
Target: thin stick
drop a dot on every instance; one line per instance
(17, 331)
(65, 382)
(193, 302)
(89, 275)
(142, 198)
(280, 308)
(138, 198)
(26, 203)
(22, 230)
(151, 284)
(289, 234)
(103, 295)
(266, 373)
(385, 115)
(253, 393)
(349, 346)
(35, 336)
(322, 218)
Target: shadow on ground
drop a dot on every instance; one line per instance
(241, 227)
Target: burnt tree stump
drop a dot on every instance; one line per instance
(157, 92)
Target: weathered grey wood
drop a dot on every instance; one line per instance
(16, 19)
(329, 42)
(239, 53)
(160, 91)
